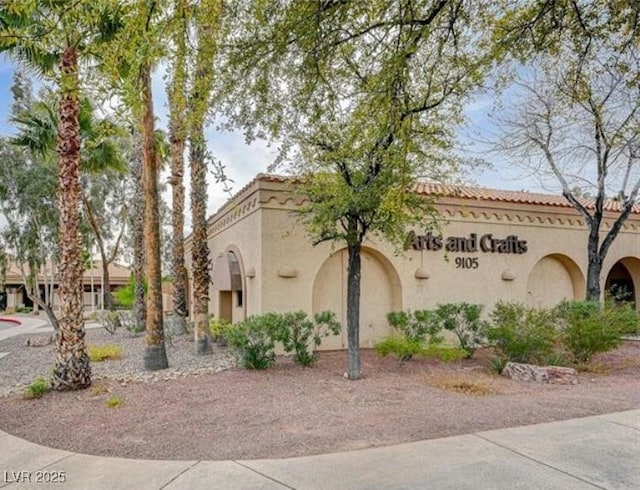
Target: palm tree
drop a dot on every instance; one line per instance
(100, 159)
(52, 37)
(207, 18)
(177, 137)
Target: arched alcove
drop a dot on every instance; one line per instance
(622, 280)
(554, 277)
(229, 282)
(380, 293)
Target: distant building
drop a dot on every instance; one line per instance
(495, 245)
(16, 295)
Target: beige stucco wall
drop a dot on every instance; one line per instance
(290, 274)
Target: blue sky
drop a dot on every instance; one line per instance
(244, 161)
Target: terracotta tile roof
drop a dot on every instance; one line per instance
(518, 197)
(452, 191)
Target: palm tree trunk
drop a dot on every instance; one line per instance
(177, 111)
(155, 356)
(72, 369)
(138, 212)
(200, 247)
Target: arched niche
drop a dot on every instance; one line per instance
(554, 277)
(380, 293)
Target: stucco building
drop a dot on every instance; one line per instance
(494, 245)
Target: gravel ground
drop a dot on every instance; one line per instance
(288, 410)
(24, 364)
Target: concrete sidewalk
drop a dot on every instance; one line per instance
(28, 324)
(589, 453)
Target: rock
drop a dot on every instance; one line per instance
(38, 341)
(541, 374)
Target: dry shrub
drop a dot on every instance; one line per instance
(100, 389)
(99, 353)
(463, 384)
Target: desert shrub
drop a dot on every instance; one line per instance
(38, 388)
(420, 325)
(254, 340)
(444, 353)
(401, 347)
(521, 333)
(414, 331)
(588, 328)
(125, 296)
(218, 329)
(99, 353)
(110, 321)
(302, 335)
(113, 402)
(463, 319)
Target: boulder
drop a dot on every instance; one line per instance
(38, 341)
(541, 374)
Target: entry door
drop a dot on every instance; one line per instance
(226, 306)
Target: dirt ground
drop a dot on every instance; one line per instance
(292, 411)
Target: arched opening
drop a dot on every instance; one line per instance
(380, 293)
(621, 282)
(554, 277)
(228, 281)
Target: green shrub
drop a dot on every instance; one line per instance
(99, 353)
(303, 336)
(38, 388)
(464, 320)
(444, 353)
(254, 340)
(114, 402)
(587, 328)
(218, 329)
(521, 333)
(401, 347)
(414, 331)
(420, 325)
(125, 296)
(23, 309)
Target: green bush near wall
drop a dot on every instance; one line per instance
(255, 339)
(521, 333)
(587, 328)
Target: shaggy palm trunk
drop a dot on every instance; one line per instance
(177, 110)
(353, 310)
(72, 370)
(139, 306)
(155, 355)
(200, 248)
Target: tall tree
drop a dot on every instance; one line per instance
(366, 94)
(207, 18)
(102, 172)
(177, 138)
(53, 37)
(577, 120)
(129, 64)
(137, 222)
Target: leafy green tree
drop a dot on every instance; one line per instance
(104, 184)
(366, 96)
(577, 117)
(53, 38)
(27, 190)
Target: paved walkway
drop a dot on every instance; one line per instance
(28, 324)
(600, 452)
